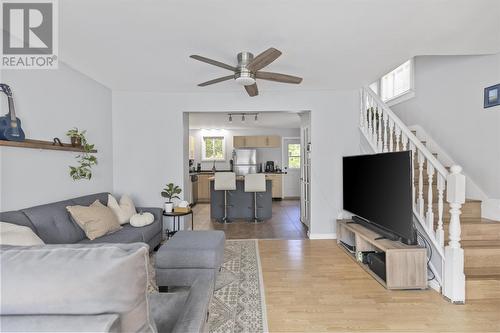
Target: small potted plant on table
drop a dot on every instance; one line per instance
(170, 192)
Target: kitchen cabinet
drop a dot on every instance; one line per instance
(204, 187)
(257, 141)
(277, 185)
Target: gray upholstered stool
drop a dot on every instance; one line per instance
(189, 254)
(225, 181)
(255, 183)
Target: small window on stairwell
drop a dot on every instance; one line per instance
(397, 83)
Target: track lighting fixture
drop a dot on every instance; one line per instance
(230, 118)
(243, 118)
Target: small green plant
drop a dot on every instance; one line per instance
(171, 192)
(85, 160)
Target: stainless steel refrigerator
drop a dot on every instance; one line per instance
(244, 161)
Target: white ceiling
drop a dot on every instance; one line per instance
(220, 120)
(333, 44)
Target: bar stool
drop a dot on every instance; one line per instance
(255, 183)
(225, 181)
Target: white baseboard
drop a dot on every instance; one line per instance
(323, 236)
(490, 209)
(433, 284)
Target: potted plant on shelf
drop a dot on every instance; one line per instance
(76, 136)
(86, 160)
(170, 192)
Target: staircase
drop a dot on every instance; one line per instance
(470, 261)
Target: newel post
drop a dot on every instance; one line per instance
(454, 277)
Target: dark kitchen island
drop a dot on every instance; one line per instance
(240, 203)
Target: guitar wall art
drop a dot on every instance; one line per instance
(10, 125)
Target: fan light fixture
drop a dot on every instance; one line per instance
(245, 80)
(248, 69)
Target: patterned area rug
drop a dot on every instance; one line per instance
(238, 304)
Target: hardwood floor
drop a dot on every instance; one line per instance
(312, 286)
(285, 223)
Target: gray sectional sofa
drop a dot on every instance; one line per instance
(93, 288)
(53, 224)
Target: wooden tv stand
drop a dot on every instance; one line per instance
(406, 265)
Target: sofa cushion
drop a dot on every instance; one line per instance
(17, 217)
(53, 223)
(172, 303)
(123, 210)
(127, 234)
(64, 323)
(96, 220)
(78, 280)
(13, 234)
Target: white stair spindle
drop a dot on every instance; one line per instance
(414, 198)
(391, 135)
(454, 277)
(404, 141)
(398, 133)
(441, 183)
(420, 202)
(430, 213)
(384, 121)
(379, 128)
(362, 112)
(370, 120)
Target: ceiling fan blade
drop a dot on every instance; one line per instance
(263, 59)
(277, 77)
(213, 62)
(220, 79)
(252, 90)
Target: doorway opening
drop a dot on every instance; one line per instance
(272, 143)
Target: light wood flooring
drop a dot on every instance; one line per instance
(312, 286)
(284, 224)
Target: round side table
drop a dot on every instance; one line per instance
(177, 216)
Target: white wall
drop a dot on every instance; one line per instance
(49, 102)
(449, 107)
(151, 152)
(263, 154)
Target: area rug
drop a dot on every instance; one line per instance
(238, 304)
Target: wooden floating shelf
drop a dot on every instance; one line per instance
(39, 144)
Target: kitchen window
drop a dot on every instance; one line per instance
(213, 148)
(294, 156)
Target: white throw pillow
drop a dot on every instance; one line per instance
(124, 210)
(13, 234)
(142, 219)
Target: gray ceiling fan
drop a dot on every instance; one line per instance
(249, 69)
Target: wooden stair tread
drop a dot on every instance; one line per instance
(480, 273)
(481, 244)
(474, 220)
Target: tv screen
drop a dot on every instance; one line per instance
(378, 189)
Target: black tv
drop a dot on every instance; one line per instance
(378, 189)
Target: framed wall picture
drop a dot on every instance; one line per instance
(492, 96)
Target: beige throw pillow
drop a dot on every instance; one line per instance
(13, 234)
(124, 210)
(96, 220)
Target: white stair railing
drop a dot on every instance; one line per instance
(385, 132)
